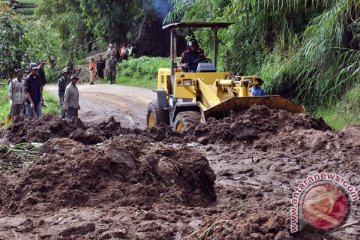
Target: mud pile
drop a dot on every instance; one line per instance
(47, 127)
(123, 172)
(255, 124)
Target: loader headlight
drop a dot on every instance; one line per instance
(187, 82)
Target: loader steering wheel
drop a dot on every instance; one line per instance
(202, 60)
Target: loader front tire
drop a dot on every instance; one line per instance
(186, 120)
(155, 115)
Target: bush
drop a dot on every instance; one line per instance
(345, 112)
(141, 71)
(53, 76)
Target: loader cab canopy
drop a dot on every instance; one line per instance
(197, 25)
(214, 26)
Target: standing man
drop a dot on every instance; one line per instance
(71, 100)
(112, 69)
(62, 83)
(33, 90)
(17, 95)
(41, 73)
(92, 69)
(70, 65)
(100, 66)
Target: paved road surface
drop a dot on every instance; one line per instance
(99, 102)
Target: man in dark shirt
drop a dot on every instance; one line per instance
(112, 69)
(33, 91)
(188, 61)
(100, 66)
(62, 83)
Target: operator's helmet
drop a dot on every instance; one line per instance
(192, 42)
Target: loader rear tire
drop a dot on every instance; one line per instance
(186, 120)
(155, 115)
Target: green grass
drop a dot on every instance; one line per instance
(141, 72)
(136, 82)
(51, 103)
(345, 112)
(4, 102)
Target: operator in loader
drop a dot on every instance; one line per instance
(256, 89)
(191, 56)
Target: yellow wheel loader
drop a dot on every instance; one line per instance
(185, 99)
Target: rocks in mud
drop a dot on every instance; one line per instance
(123, 171)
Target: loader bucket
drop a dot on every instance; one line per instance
(244, 103)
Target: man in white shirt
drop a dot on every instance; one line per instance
(71, 99)
(17, 95)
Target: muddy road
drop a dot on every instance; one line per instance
(231, 179)
(99, 102)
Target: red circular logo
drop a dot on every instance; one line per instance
(325, 206)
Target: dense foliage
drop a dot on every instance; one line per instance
(11, 41)
(304, 49)
(83, 25)
(70, 28)
(66, 18)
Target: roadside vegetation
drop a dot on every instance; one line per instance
(141, 72)
(344, 112)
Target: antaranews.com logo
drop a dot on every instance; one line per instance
(322, 200)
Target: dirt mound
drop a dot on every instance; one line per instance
(256, 123)
(40, 130)
(47, 127)
(123, 171)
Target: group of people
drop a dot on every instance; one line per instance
(115, 55)
(98, 69)
(26, 91)
(120, 53)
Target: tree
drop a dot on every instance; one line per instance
(112, 20)
(66, 16)
(11, 42)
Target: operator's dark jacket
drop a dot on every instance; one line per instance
(29, 88)
(190, 57)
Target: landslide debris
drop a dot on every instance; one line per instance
(140, 185)
(257, 124)
(48, 127)
(123, 171)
